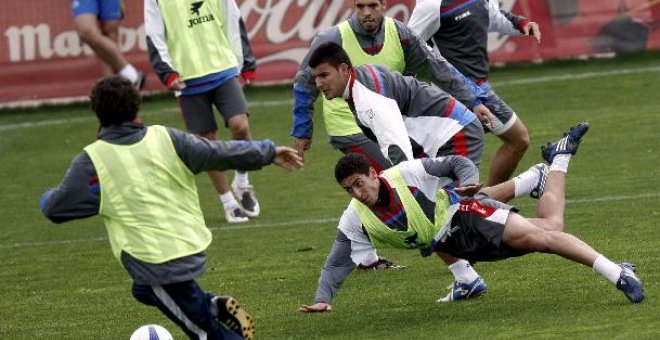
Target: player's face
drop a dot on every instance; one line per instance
(363, 188)
(330, 80)
(370, 14)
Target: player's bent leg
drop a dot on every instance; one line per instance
(530, 182)
(90, 32)
(550, 209)
(187, 305)
(233, 211)
(515, 142)
(241, 187)
(239, 127)
(521, 234)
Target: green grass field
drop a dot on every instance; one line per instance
(62, 282)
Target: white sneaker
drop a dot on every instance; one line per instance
(234, 214)
(539, 188)
(247, 199)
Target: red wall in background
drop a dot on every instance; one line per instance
(42, 58)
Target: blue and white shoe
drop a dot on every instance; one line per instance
(538, 189)
(629, 284)
(567, 145)
(463, 291)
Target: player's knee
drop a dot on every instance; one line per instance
(89, 35)
(519, 143)
(239, 126)
(210, 135)
(556, 223)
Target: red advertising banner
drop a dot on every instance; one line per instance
(43, 59)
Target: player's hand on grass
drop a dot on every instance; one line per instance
(318, 307)
(532, 28)
(287, 158)
(468, 190)
(302, 145)
(484, 115)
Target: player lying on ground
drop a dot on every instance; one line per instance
(407, 207)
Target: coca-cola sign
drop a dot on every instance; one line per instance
(281, 31)
(42, 57)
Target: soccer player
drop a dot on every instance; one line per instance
(97, 24)
(370, 38)
(407, 207)
(460, 31)
(141, 180)
(195, 49)
(435, 123)
(406, 117)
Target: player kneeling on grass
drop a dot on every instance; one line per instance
(407, 207)
(141, 180)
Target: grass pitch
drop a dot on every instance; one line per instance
(61, 281)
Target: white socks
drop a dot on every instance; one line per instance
(525, 182)
(129, 72)
(560, 163)
(241, 180)
(228, 200)
(607, 268)
(463, 271)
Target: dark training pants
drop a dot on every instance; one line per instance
(187, 305)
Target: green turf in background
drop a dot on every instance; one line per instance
(61, 281)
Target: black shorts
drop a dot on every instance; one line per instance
(197, 109)
(479, 226)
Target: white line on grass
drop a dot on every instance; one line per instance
(268, 103)
(90, 118)
(307, 221)
(586, 75)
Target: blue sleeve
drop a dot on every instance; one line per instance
(77, 196)
(302, 116)
(480, 95)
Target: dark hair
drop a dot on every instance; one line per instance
(115, 100)
(330, 53)
(352, 163)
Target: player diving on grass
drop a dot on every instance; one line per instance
(407, 207)
(404, 117)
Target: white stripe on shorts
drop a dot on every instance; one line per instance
(174, 308)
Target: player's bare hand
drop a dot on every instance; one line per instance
(532, 28)
(484, 115)
(468, 190)
(287, 158)
(319, 307)
(177, 85)
(302, 145)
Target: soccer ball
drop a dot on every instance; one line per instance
(151, 332)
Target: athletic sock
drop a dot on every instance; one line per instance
(607, 268)
(560, 163)
(129, 72)
(241, 180)
(463, 271)
(228, 200)
(525, 182)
